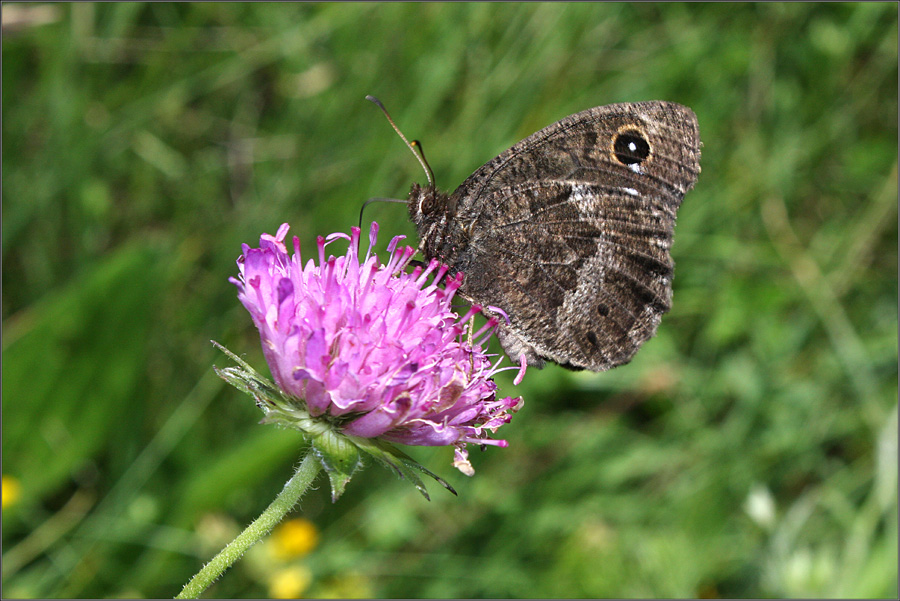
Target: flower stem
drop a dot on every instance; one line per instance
(286, 499)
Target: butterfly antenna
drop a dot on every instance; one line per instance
(428, 173)
(421, 150)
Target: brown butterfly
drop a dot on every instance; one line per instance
(568, 232)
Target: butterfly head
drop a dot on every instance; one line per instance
(432, 212)
(423, 204)
(426, 205)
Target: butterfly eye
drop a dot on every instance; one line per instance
(427, 203)
(631, 147)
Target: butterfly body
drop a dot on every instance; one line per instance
(568, 232)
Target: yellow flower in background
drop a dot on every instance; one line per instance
(12, 490)
(289, 583)
(294, 538)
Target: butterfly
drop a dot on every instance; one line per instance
(566, 235)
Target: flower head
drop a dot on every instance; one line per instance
(370, 349)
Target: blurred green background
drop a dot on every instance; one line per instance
(749, 450)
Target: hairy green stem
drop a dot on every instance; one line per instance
(286, 499)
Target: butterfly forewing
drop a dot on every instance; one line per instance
(569, 231)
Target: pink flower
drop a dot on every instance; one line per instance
(371, 349)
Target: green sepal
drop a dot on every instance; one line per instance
(404, 465)
(279, 409)
(339, 457)
(248, 380)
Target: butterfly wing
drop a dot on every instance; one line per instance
(569, 231)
